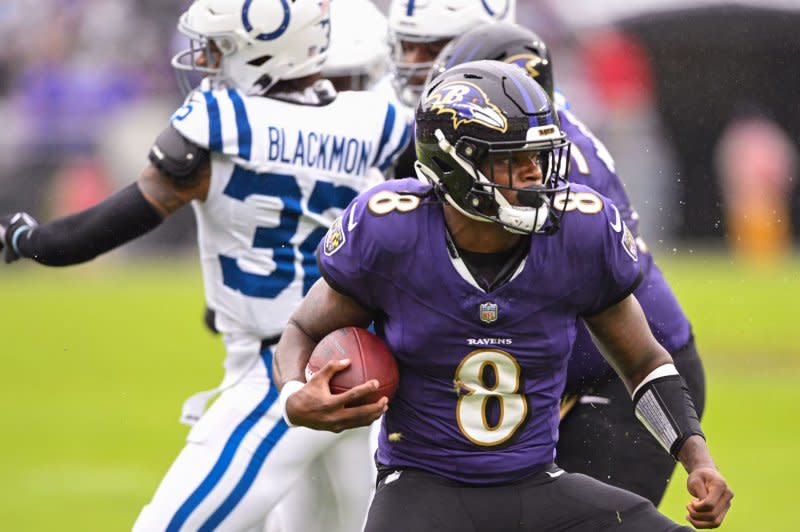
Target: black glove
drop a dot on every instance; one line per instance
(12, 228)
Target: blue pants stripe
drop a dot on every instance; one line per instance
(256, 461)
(226, 457)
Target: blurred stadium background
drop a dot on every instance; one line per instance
(697, 101)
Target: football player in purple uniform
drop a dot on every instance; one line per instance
(599, 433)
(477, 276)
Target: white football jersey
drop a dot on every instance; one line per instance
(385, 87)
(281, 173)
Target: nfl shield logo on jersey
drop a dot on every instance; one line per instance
(488, 312)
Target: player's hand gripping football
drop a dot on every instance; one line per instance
(712, 496)
(314, 405)
(12, 227)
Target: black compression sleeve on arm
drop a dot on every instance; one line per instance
(83, 236)
(665, 407)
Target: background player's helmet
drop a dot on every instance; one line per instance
(501, 41)
(359, 49)
(491, 109)
(429, 21)
(261, 41)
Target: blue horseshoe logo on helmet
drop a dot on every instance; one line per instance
(496, 14)
(266, 36)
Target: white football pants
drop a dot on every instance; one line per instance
(241, 460)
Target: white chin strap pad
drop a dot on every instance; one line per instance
(521, 219)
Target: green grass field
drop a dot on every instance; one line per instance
(98, 359)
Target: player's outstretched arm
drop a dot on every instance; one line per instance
(131, 212)
(311, 404)
(663, 404)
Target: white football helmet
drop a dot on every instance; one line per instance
(429, 21)
(359, 47)
(261, 41)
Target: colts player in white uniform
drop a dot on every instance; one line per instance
(268, 154)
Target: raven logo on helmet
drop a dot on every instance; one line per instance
(468, 104)
(526, 61)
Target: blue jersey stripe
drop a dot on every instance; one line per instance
(214, 122)
(256, 461)
(226, 457)
(242, 125)
(385, 164)
(410, 8)
(388, 125)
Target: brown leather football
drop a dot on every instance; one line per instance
(369, 356)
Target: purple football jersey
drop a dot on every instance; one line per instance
(593, 165)
(481, 373)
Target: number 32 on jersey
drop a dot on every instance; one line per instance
(324, 195)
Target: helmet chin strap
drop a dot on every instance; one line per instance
(515, 219)
(519, 219)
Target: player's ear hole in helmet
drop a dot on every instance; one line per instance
(491, 115)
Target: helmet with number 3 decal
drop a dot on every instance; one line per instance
(489, 109)
(501, 41)
(260, 41)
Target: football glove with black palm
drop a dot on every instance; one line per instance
(12, 228)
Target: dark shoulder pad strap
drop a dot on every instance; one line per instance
(177, 157)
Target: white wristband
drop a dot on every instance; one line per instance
(661, 371)
(288, 389)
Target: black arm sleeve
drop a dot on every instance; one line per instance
(83, 236)
(665, 407)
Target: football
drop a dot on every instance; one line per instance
(369, 356)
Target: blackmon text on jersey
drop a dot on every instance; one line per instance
(320, 150)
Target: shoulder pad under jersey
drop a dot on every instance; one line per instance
(177, 157)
